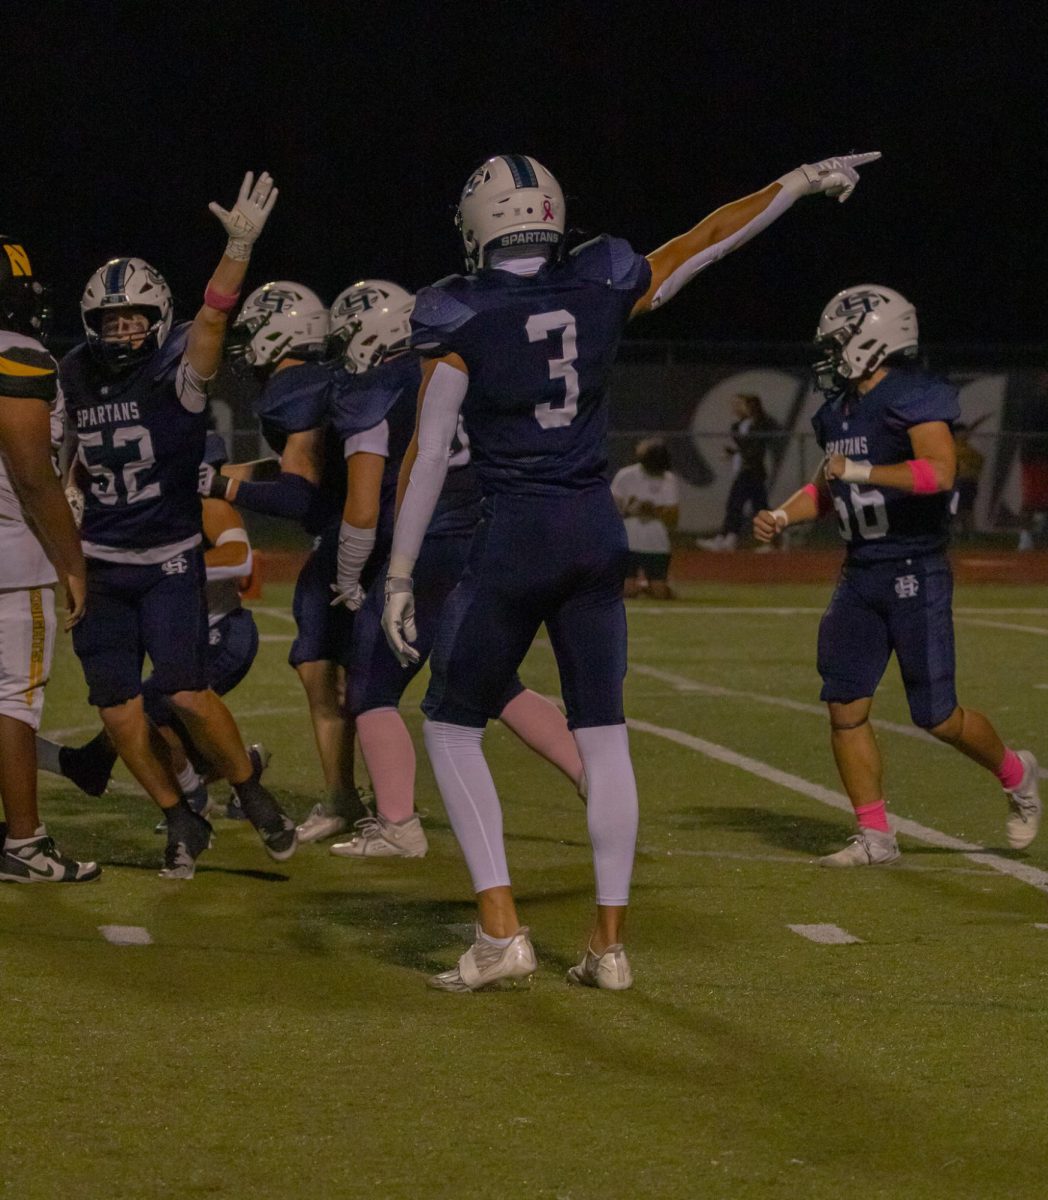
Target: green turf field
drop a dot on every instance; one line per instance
(276, 1039)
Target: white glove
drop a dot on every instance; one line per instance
(834, 176)
(354, 550)
(75, 498)
(243, 223)
(398, 619)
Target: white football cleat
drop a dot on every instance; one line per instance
(1024, 805)
(40, 861)
(484, 964)
(322, 822)
(609, 970)
(867, 848)
(378, 838)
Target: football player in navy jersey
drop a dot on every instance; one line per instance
(373, 415)
(39, 548)
(281, 334)
(889, 471)
(137, 393)
(522, 348)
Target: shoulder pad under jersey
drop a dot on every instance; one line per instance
(924, 398)
(608, 260)
(362, 401)
(438, 313)
(170, 353)
(297, 398)
(26, 369)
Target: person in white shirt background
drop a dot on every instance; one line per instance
(648, 496)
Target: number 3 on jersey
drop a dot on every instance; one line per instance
(557, 413)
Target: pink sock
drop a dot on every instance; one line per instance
(1010, 772)
(543, 727)
(873, 816)
(389, 756)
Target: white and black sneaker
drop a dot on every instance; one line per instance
(40, 861)
(274, 826)
(188, 836)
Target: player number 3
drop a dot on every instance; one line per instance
(557, 414)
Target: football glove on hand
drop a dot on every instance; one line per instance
(244, 221)
(398, 620)
(75, 499)
(211, 483)
(835, 176)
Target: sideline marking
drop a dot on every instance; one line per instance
(126, 935)
(825, 935)
(1034, 876)
(682, 683)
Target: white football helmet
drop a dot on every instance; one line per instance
(126, 283)
(509, 202)
(858, 330)
(370, 320)
(279, 319)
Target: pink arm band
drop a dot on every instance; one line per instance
(924, 481)
(822, 502)
(220, 300)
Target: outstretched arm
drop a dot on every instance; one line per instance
(680, 260)
(243, 223)
(444, 385)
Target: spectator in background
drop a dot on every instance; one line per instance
(752, 432)
(648, 498)
(969, 468)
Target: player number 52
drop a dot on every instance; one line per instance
(556, 414)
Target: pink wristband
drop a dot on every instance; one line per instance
(822, 502)
(220, 300)
(924, 482)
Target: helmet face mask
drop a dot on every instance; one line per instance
(126, 285)
(510, 203)
(370, 322)
(23, 298)
(278, 320)
(858, 331)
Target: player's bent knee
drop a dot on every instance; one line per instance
(845, 726)
(949, 730)
(196, 703)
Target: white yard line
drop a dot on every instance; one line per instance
(281, 614)
(1024, 872)
(793, 860)
(757, 610)
(825, 935)
(126, 935)
(1012, 625)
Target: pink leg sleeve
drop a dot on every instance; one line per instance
(389, 756)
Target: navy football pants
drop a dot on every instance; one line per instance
(558, 561)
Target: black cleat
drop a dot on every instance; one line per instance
(188, 836)
(274, 826)
(87, 767)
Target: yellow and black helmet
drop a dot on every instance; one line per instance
(23, 298)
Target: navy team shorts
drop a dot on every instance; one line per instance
(905, 606)
(376, 679)
(232, 644)
(132, 611)
(323, 632)
(553, 560)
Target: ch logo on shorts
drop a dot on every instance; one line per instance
(178, 565)
(214, 638)
(906, 586)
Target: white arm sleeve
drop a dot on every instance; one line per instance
(437, 425)
(372, 441)
(234, 570)
(191, 387)
(791, 189)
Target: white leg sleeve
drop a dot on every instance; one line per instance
(470, 798)
(611, 808)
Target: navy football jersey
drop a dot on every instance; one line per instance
(296, 400)
(140, 437)
(389, 392)
(539, 351)
(883, 523)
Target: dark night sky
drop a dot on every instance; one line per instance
(122, 120)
